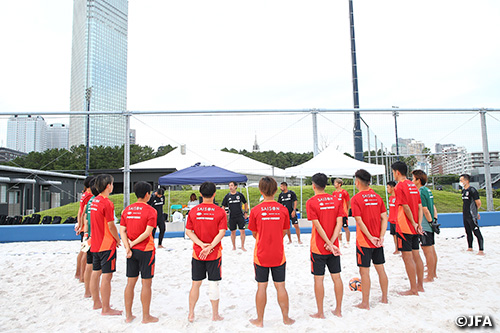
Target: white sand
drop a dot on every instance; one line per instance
(38, 291)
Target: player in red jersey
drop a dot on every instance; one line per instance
(136, 226)
(344, 195)
(326, 213)
(409, 226)
(206, 226)
(81, 258)
(88, 236)
(393, 214)
(371, 223)
(105, 240)
(269, 222)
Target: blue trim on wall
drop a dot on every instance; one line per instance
(50, 232)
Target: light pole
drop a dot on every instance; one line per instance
(88, 95)
(358, 135)
(395, 113)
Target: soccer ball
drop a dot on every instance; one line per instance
(355, 284)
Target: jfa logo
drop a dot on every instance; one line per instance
(474, 321)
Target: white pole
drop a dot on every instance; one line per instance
(487, 163)
(248, 199)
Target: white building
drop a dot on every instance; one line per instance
(57, 136)
(27, 133)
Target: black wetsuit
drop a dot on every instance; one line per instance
(469, 197)
(157, 203)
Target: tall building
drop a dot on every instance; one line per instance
(132, 136)
(255, 147)
(99, 66)
(57, 136)
(27, 133)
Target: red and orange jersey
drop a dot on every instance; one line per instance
(84, 200)
(344, 195)
(392, 209)
(368, 205)
(268, 220)
(136, 218)
(205, 220)
(406, 194)
(102, 212)
(325, 208)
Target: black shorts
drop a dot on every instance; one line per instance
(237, 221)
(407, 242)
(365, 255)
(345, 222)
(89, 257)
(105, 261)
(262, 273)
(392, 228)
(200, 268)
(294, 220)
(318, 262)
(427, 239)
(81, 236)
(141, 261)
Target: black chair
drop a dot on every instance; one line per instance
(17, 220)
(3, 219)
(56, 220)
(10, 220)
(27, 220)
(70, 220)
(35, 219)
(47, 219)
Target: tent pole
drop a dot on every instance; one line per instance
(353, 186)
(386, 195)
(301, 212)
(168, 210)
(248, 199)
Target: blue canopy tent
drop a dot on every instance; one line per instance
(198, 174)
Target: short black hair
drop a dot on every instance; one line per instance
(364, 176)
(160, 191)
(141, 189)
(94, 191)
(102, 181)
(466, 176)
(391, 183)
(284, 183)
(400, 166)
(320, 180)
(207, 189)
(86, 182)
(235, 183)
(420, 175)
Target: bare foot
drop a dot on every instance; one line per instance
(429, 279)
(480, 253)
(469, 250)
(217, 317)
(384, 300)
(420, 289)
(288, 321)
(234, 249)
(408, 293)
(244, 249)
(191, 316)
(300, 242)
(337, 312)
(363, 306)
(97, 305)
(112, 312)
(290, 242)
(161, 246)
(130, 319)
(77, 276)
(396, 252)
(318, 315)
(257, 322)
(149, 319)
(87, 295)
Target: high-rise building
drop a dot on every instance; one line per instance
(99, 70)
(132, 136)
(57, 136)
(27, 133)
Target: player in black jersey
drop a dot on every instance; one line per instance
(234, 200)
(288, 198)
(471, 205)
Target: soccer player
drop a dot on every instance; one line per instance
(392, 214)
(344, 195)
(408, 227)
(136, 227)
(233, 200)
(269, 222)
(81, 259)
(87, 236)
(471, 205)
(326, 213)
(105, 240)
(206, 226)
(430, 213)
(288, 198)
(371, 223)
(157, 201)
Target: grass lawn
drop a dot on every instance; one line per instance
(446, 202)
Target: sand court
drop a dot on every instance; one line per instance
(39, 293)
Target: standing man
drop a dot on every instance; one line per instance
(371, 222)
(105, 240)
(325, 211)
(392, 214)
(88, 236)
(157, 201)
(344, 196)
(136, 226)
(206, 226)
(430, 214)
(269, 221)
(408, 227)
(81, 258)
(234, 200)
(288, 198)
(471, 205)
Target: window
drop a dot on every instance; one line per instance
(3, 194)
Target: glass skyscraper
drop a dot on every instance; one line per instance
(99, 64)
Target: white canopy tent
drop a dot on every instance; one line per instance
(333, 163)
